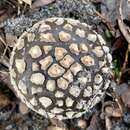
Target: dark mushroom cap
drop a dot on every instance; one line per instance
(60, 68)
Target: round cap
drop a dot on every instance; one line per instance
(60, 68)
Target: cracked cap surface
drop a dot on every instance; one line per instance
(60, 68)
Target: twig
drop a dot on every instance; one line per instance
(8, 2)
(108, 23)
(122, 26)
(126, 70)
(1, 39)
(24, 9)
(108, 123)
(3, 59)
(125, 31)
(124, 64)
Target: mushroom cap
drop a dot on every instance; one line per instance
(60, 68)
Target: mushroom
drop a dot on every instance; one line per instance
(60, 70)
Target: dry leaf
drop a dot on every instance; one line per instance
(113, 112)
(4, 100)
(118, 43)
(39, 3)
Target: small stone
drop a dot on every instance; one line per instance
(87, 60)
(57, 110)
(33, 101)
(82, 124)
(35, 67)
(62, 83)
(80, 33)
(88, 91)
(20, 65)
(74, 48)
(69, 102)
(98, 79)
(51, 85)
(20, 44)
(68, 27)
(92, 37)
(98, 51)
(64, 37)
(59, 94)
(46, 62)
(44, 27)
(83, 48)
(55, 70)
(59, 21)
(35, 51)
(67, 61)
(47, 49)
(75, 68)
(22, 87)
(60, 103)
(45, 101)
(48, 37)
(68, 75)
(74, 91)
(59, 53)
(35, 90)
(30, 37)
(37, 78)
(23, 108)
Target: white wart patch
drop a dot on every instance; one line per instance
(35, 52)
(45, 101)
(56, 70)
(20, 65)
(37, 78)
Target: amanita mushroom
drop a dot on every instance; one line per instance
(60, 68)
